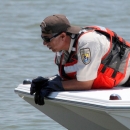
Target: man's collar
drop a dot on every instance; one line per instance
(71, 45)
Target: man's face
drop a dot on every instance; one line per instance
(56, 42)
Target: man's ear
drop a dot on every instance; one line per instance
(63, 35)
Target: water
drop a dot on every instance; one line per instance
(22, 54)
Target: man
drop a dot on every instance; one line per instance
(88, 58)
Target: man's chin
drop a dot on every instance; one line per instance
(54, 50)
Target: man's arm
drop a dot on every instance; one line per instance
(75, 85)
(42, 87)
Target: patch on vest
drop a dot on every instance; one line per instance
(85, 55)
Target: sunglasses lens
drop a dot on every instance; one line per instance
(45, 39)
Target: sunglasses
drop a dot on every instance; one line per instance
(47, 39)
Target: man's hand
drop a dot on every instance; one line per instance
(37, 84)
(39, 96)
(53, 84)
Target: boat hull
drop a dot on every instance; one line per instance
(74, 113)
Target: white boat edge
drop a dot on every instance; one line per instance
(85, 109)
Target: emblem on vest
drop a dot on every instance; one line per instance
(85, 55)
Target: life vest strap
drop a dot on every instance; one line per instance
(63, 74)
(107, 63)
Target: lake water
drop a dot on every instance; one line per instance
(22, 54)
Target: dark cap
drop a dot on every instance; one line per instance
(58, 23)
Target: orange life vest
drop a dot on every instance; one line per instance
(112, 70)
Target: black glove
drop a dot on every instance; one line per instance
(39, 96)
(37, 84)
(53, 84)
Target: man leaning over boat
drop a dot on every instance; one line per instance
(91, 57)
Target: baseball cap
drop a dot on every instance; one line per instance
(58, 23)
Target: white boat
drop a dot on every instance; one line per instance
(85, 110)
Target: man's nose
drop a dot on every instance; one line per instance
(44, 43)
